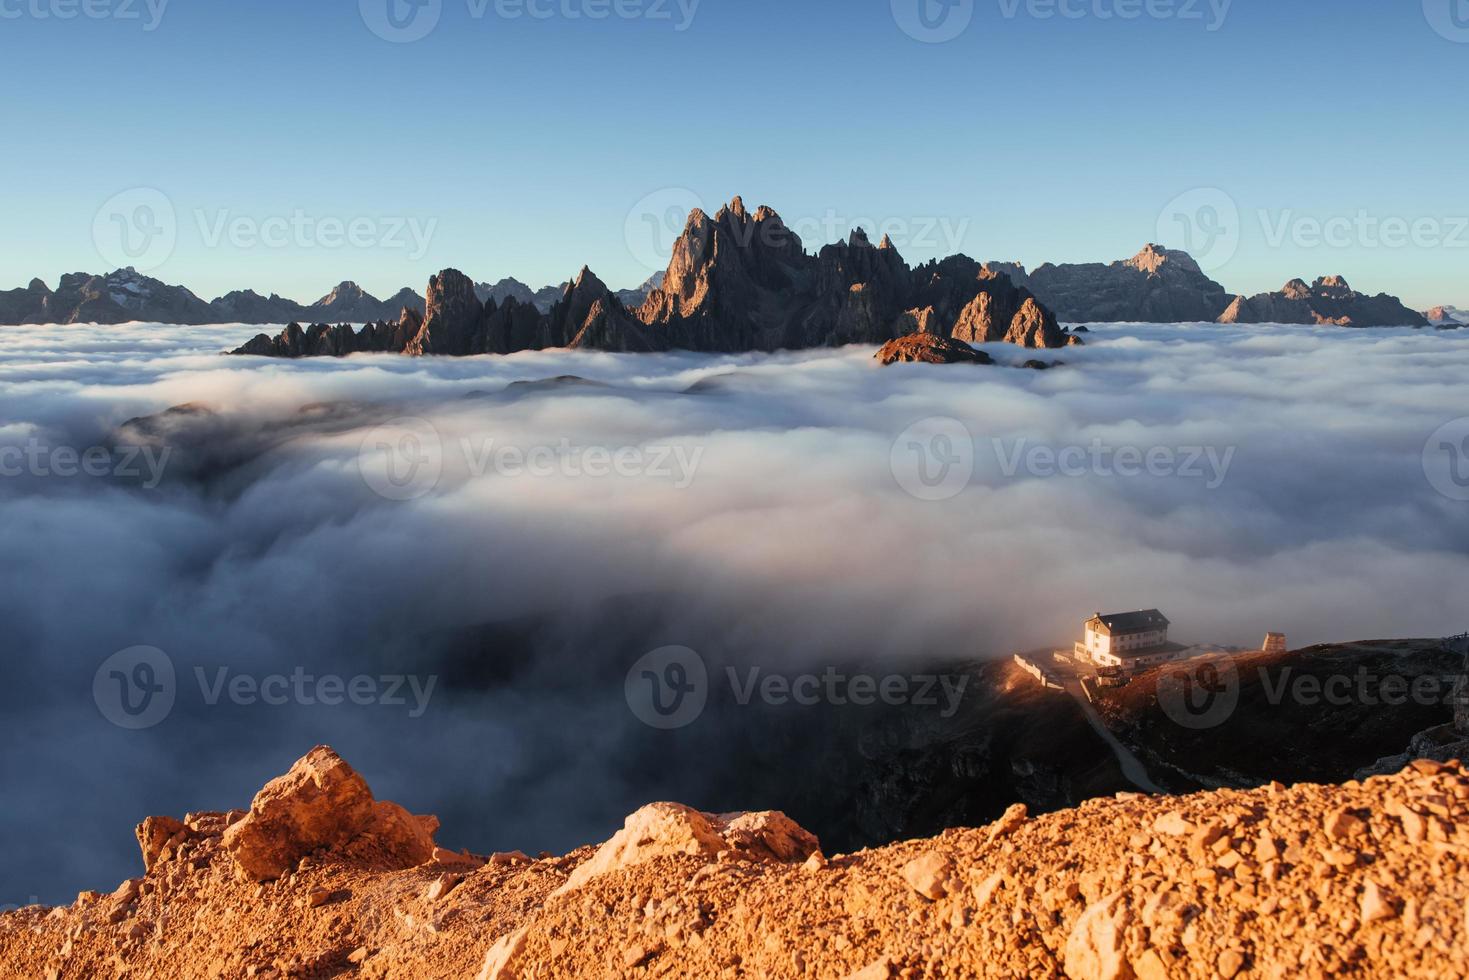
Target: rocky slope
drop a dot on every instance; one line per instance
(317, 878)
(1327, 301)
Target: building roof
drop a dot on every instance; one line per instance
(1114, 624)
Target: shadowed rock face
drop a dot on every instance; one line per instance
(737, 281)
(1157, 285)
(743, 282)
(1327, 302)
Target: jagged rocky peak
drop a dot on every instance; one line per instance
(344, 291)
(1153, 258)
(452, 316)
(1296, 289)
(1333, 286)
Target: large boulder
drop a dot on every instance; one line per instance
(666, 829)
(322, 803)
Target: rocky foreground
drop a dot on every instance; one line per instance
(318, 879)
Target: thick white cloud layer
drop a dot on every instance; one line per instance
(761, 497)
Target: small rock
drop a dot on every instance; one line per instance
(877, 970)
(637, 956)
(1094, 948)
(1376, 904)
(1231, 961)
(1343, 824)
(318, 897)
(440, 887)
(357, 955)
(1013, 819)
(501, 958)
(1150, 966)
(929, 875)
(816, 862)
(1173, 824)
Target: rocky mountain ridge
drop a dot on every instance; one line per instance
(1158, 285)
(319, 878)
(737, 281)
(1329, 301)
(126, 295)
(1161, 285)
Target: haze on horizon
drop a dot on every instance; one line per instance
(526, 138)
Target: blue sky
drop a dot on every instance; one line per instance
(530, 145)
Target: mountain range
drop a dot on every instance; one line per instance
(126, 295)
(737, 281)
(744, 281)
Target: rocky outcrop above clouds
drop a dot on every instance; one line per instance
(743, 281)
(737, 281)
(927, 348)
(1450, 316)
(1329, 301)
(1157, 285)
(1369, 878)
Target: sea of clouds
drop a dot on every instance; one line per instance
(509, 550)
